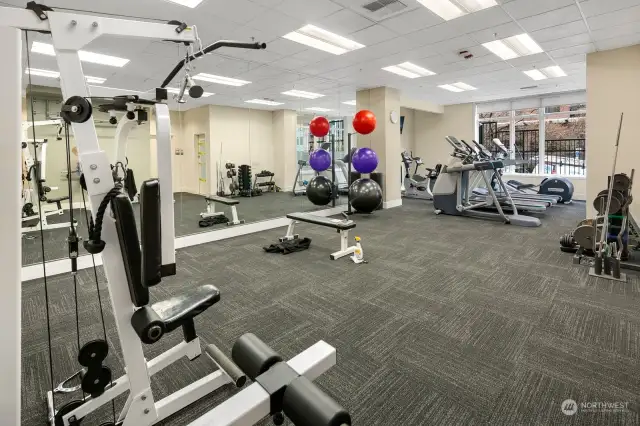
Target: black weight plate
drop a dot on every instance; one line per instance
(584, 236)
(66, 409)
(93, 352)
(600, 202)
(94, 381)
(621, 182)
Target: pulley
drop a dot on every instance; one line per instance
(76, 109)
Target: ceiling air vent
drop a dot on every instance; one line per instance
(381, 9)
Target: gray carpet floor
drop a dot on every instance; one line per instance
(453, 321)
(187, 209)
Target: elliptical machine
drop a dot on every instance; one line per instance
(416, 185)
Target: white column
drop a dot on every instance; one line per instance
(512, 139)
(541, 141)
(10, 223)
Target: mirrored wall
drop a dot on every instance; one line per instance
(231, 166)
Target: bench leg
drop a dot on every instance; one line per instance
(211, 211)
(290, 235)
(344, 247)
(234, 217)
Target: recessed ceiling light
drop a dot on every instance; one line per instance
(513, 47)
(549, 72)
(263, 102)
(220, 79)
(187, 3)
(177, 92)
(407, 69)
(94, 58)
(95, 80)
(318, 109)
(315, 37)
(452, 9)
(302, 94)
(56, 74)
(353, 102)
(554, 71)
(536, 75)
(457, 87)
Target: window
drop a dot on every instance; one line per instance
(552, 138)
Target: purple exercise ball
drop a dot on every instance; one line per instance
(320, 160)
(364, 160)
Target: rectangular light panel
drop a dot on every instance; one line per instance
(302, 94)
(409, 70)
(554, 72)
(457, 87)
(263, 102)
(536, 75)
(318, 109)
(188, 3)
(548, 72)
(218, 79)
(513, 47)
(56, 74)
(186, 92)
(324, 40)
(85, 56)
(353, 103)
(452, 9)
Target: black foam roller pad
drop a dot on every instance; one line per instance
(305, 404)
(253, 356)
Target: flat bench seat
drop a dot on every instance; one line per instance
(222, 200)
(343, 227)
(338, 224)
(211, 210)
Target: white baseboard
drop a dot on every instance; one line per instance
(391, 204)
(61, 266)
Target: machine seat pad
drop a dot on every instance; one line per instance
(222, 200)
(177, 310)
(57, 200)
(323, 221)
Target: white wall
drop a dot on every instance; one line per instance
(612, 88)
(431, 130)
(190, 123)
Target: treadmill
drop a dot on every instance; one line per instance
(515, 192)
(504, 197)
(451, 192)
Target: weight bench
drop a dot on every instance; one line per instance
(342, 226)
(211, 209)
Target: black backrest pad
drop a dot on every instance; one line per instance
(130, 247)
(150, 227)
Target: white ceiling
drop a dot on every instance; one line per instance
(566, 29)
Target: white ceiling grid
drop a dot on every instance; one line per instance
(566, 29)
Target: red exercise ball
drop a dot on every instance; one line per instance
(319, 127)
(364, 122)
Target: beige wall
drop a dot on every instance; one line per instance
(613, 78)
(385, 140)
(408, 130)
(431, 130)
(236, 135)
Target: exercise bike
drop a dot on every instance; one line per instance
(416, 185)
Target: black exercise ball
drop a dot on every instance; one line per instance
(365, 195)
(319, 190)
